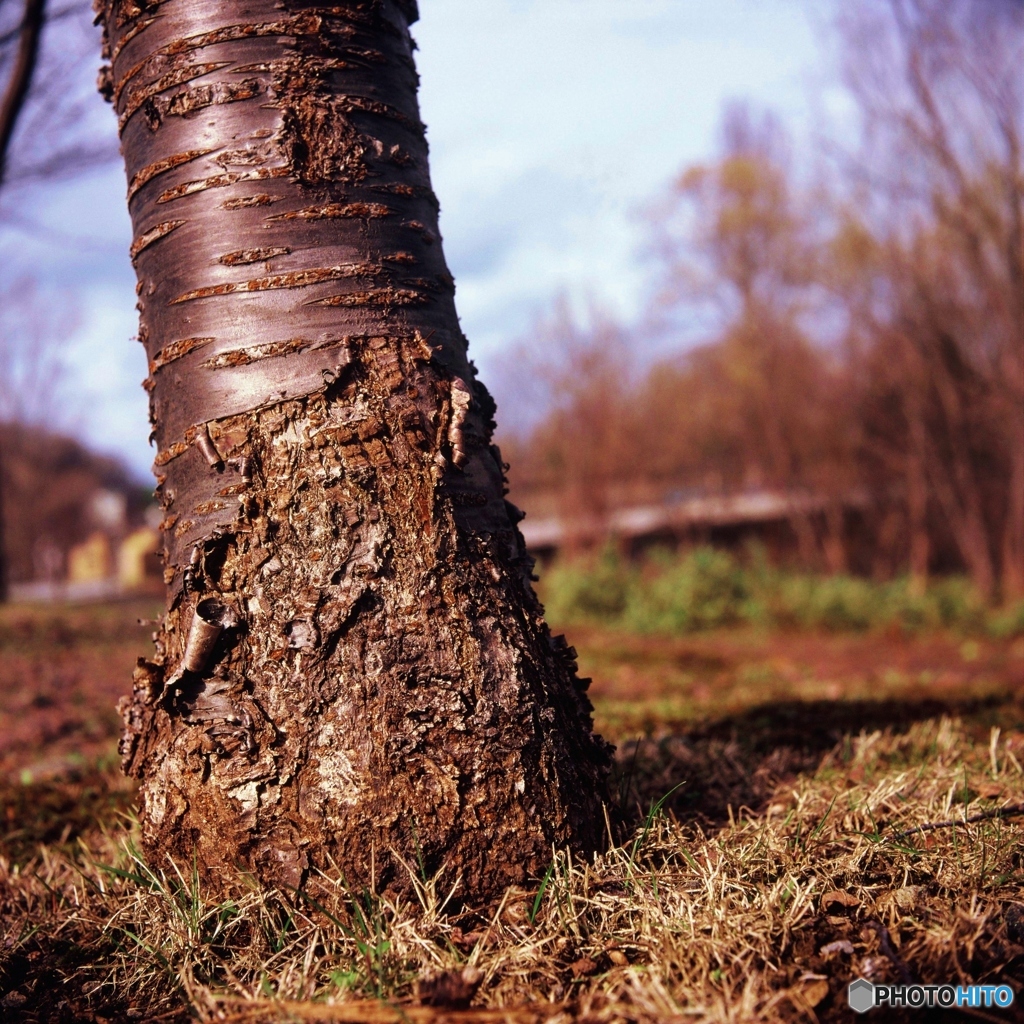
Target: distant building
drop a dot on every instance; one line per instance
(688, 518)
(91, 560)
(99, 570)
(66, 511)
(138, 560)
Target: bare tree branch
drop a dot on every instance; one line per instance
(8, 37)
(29, 34)
(1010, 811)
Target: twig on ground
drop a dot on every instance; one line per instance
(888, 950)
(1010, 811)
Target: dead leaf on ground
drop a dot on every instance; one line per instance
(451, 989)
(1014, 918)
(517, 906)
(813, 992)
(907, 897)
(465, 940)
(991, 790)
(844, 899)
(582, 967)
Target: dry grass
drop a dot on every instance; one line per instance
(764, 918)
(754, 858)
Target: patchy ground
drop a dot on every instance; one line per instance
(62, 671)
(781, 864)
(645, 683)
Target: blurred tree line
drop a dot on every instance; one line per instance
(51, 128)
(50, 484)
(863, 333)
(48, 480)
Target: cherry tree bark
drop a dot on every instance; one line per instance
(353, 667)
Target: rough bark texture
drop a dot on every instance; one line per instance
(353, 666)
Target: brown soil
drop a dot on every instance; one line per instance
(62, 671)
(647, 684)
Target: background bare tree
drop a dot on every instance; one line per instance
(568, 384)
(45, 479)
(857, 334)
(23, 46)
(50, 124)
(49, 129)
(761, 403)
(941, 95)
(34, 329)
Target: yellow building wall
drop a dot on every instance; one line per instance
(131, 557)
(91, 560)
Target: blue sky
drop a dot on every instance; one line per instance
(552, 125)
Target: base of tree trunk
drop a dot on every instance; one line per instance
(394, 700)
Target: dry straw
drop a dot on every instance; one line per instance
(765, 918)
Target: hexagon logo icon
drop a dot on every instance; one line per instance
(861, 995)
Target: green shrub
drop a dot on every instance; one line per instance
(702, 590)
(1008, 621)
(838, 603)
(587, 588)
(957, 603)
(707, 588)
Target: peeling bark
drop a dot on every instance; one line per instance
(353, 667)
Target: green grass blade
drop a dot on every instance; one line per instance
(540, 892)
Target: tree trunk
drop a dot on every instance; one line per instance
(353, 667)
(917, 482)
